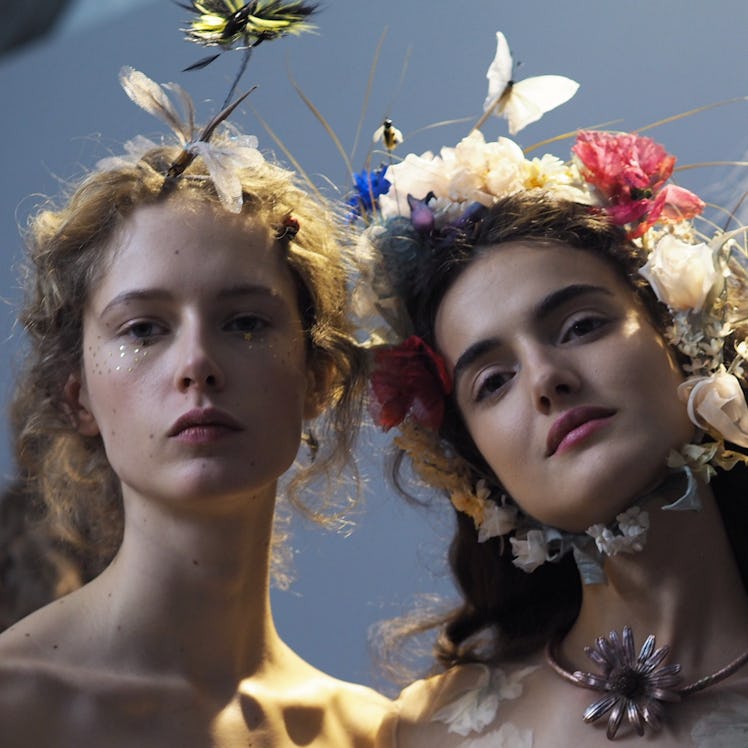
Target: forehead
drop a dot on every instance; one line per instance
(509, 280)
(192, 245)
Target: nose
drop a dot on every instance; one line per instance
(197, 367)
(553, 380)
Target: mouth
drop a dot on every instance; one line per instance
(203, 421)
(574, 425)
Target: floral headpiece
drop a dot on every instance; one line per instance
(626, 176)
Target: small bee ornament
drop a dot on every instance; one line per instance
(389, 135)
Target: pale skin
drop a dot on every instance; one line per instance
(174, 643)
(538, 359)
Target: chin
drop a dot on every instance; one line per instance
(207, 485)
(597, 504)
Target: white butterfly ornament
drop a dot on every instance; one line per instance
(524, 101)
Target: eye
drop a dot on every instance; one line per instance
(245, 323)
(143, 331)
(490, 384)
(583, 326)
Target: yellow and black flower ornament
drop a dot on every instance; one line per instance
(231, 24)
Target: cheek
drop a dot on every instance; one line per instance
(279, 374)
(646, 385)
(654, 376)
(129, 356)
(501, 438)
(108, 361)
(117, 379)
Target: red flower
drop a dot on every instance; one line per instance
(409, 379)
(630, 171)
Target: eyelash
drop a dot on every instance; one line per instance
(257, 323)
(242, 324)
(590, 324)
(597, 322)
(131, 330)
(483, 390)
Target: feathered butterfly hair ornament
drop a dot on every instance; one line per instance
(223, 159)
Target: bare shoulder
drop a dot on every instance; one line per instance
(350, 713)
(33, 696)
(421, 700)
(44, 687)
(418, 710)
(27, 672)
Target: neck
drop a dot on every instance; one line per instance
(182, 577)
(684, 588)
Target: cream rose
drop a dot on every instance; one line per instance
(681, 274)
(482, 172)
(505, 166)
(717, 404)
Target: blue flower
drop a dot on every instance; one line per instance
(368, 185)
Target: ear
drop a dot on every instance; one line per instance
(76, 398)
(319, 378)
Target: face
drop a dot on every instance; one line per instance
(194, 356)
(564, 384)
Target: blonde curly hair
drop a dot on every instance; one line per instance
(67, 255)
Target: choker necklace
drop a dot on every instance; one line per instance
(634, 686)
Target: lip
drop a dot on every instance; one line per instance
(202, 423)
(572, 421)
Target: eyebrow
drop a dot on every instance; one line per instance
(544, 308)
(157, 294)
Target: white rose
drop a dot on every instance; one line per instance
(482, 172)
(464, 166)
(414, 175)
(681, 274)
(465, 186)
(470, 152)
(505, 164)
(717, 404)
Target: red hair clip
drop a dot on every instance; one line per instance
(288, 229)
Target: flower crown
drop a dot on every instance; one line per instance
(626, 177)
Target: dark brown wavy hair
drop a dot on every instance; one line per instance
(505, 612)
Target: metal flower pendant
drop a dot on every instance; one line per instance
(634, 686)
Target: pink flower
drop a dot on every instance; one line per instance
(630, 172)
(623, 166)
(409, 379)
(680, 204)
